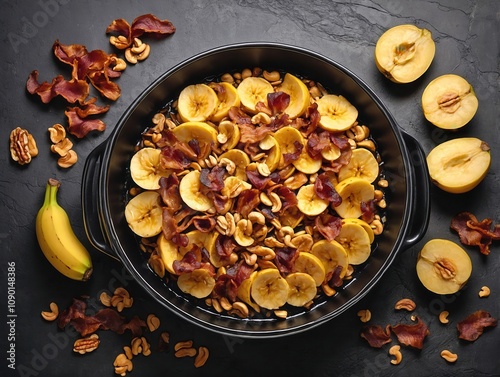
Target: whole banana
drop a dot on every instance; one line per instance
(57, 240)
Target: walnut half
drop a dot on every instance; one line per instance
(22, 146)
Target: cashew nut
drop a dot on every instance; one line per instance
(57, 133)
(405, 304)
(153, 322)
(52, 315)
(144, 54)
(449, 356)
(271, 76)
(396, 352)
(443, 316)
(484, 292)
(68, 160)
(120, 64)
(129, 55)
(364, 315)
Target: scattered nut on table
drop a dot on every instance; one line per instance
(449, 356)
(484, 292)
(22, 146)
(396, 352)
(87, 344)
(443, 316)
(52, 314)
(405, 304)
(364, 315)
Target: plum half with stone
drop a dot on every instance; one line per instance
(449, 102)
(404, 53)
(443, 267)
(459, 165)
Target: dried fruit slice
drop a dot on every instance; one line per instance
(198, 283)
(228, 97)
(449, 102)
(200, 131)
(269, 289)
(169, 252)
(459, 165)
(145, 168)
(189, 189)
(404, 52)
(300, 98)
(244, 292)
(144, 214)
(271, 146)
(443, 267)
(309, 203)
(364, 224)
(337, 113)
(362, 164)
(331, 254)
(353, 192)
(302, 288)
(310, 264)
(252, 90)
(356, 242)
(197, 103)
(240, 159)
(288, 139)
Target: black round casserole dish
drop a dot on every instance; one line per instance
(106, 169)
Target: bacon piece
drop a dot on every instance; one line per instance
(288, 198)
(169, 224)
(248, 200)
(172, 158)
(226, 285)
(368, 211)
(316, 142)
(79, 126)
(329, 226)
(278, 102)
(104, 319)
(238, 116)
(411, 335)
(101, 81)
(376, 336)
(180, 239)
(333, 277)
(224, 246)
(475, 233)
(285, 259)
(257, 180)
(152, 25)
(473, 326)
(188, 263)
(251, 134)
(292, 156)
(213, 179)
(68, 53)
(324, 189)
(72, 91)
(204, 224)
(121, 26)
(169, 192)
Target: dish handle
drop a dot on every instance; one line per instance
(92, 221)
(421, 208)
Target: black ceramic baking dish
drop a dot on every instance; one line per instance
(106, 171)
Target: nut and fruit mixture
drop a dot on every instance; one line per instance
(256, 192)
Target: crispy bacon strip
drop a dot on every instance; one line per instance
(292, 156)
(79, 126)
(285, 259)
(213, 178)
(188, 263)
(152, 25)
(72, 91)
(247, 201)
(323, 187)
(104, 319)
(329, 226)
(475, 233)
(411, 335)
(376, 336)
(278, 102)
(473, 326)
(169, 192)
(316, 142)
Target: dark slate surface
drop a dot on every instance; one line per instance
(466, 35)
